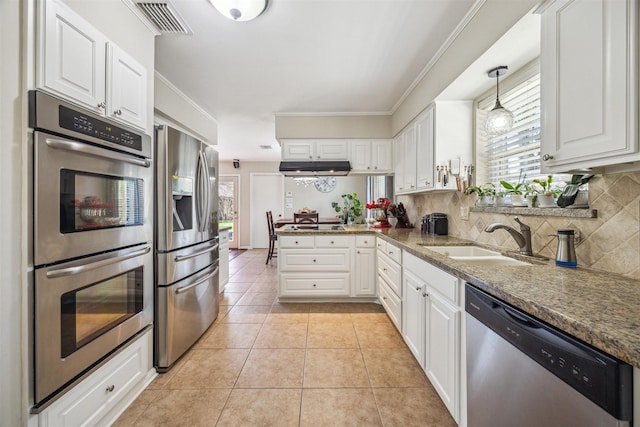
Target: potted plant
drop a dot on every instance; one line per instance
(546, 195)
(571, 193)
(516, 192)
(351, 209)
(531, 193)
(486, 194)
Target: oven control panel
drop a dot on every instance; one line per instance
(82, 123)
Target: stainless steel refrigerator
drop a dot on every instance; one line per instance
(186, 217)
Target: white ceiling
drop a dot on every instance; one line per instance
(301, 56)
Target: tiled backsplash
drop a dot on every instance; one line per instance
(610, 242)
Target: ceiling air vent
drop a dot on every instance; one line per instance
(266, 147)
(164, 17)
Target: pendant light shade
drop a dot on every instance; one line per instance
(240, 10)
(499, 120)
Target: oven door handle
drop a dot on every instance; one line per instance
(198, 282)
(94, 151)
(195, 254)
(71, 271)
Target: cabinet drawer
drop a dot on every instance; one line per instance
(394, 252)
(381, 245)
(314, 285)
(92, 399)
(366, 241)
(333, 241)
(391, 303)
(391, 272)
(312, 260)
(444, 283)
(296, 242)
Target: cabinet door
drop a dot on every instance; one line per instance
(410, 160)
(331, 150)
(442, 361)
(126, 89)
(398, 180)
(364, 273)
(413, 312)
(588, 82)
(72, 57)
(382, 156)
(425, 161)
(297, 150)
(360, 155)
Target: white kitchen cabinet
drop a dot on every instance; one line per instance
(424, 151)
(223, 252)
(373, 157)
(432, 326)
(79, 64)
(322, 149)
(441, 135)
(99, 398)
(364, 267)
(589, 84)
(389, 259)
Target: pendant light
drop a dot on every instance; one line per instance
(240, 10)
(499, 120)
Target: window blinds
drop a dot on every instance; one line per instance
(515, 155)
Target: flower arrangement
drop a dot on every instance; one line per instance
(382, 209)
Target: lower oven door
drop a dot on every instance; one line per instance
(85, 309)
(184, 311)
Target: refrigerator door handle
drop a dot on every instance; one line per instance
(195, 254)
(197, 282)
(198, 198)
(205, 190)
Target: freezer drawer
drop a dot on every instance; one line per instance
(181, 263)
(184, 312)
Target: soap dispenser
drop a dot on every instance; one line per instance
(566, 252)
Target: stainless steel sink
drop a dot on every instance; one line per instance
(454, 251)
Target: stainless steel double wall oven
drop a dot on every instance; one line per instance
(92, 249)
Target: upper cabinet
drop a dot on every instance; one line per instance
(589, 84)
(371, 156)
(79, 64)
(307, 149)
(440, 136)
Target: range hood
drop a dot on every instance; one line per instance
(324, 168)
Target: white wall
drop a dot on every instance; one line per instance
(313, 199)
(13, 356)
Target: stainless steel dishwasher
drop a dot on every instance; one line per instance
(522, 372)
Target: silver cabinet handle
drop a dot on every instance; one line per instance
(375, 167)
(425, 294)
(357, 252)
(95, 151)
(314, 285)
(111, 388)
(71, 271)
(296, 242)
(195, 254)
(102, 105)
(332, 242)
(118, 112)
(418, 288)
(547, 157)
(314, 260)
(384, 298)
(196, 283)
(427, 183)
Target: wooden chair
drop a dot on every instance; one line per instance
(273, 237)
(309, 218)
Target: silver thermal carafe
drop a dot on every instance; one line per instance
(566, 252)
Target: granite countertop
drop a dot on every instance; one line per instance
(597, 307)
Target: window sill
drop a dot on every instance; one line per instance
(514, 210)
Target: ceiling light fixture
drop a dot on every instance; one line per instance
(499, 120)
(240, 10)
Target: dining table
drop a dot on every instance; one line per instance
(284, 221)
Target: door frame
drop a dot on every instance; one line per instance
(236, 225)
(252, 176)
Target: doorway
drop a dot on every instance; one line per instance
(228, 197)
(267, 194)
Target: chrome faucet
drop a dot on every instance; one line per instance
(522, 238)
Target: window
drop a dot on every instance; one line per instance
(515, 155)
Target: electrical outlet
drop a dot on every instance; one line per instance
(464, 213)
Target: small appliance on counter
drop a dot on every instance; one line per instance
(436, 224)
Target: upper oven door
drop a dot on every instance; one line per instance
(88, 199)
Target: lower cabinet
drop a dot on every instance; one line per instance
(364, 267)
(389, 259)
(432, 309)
(100, 398)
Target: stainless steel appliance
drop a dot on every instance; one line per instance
(435, 224)
(521, 371)
(93, 266)
(186, 242)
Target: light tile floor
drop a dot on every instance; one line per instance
(263, 363)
